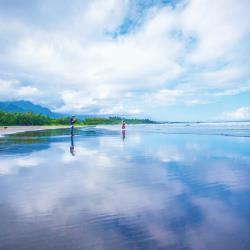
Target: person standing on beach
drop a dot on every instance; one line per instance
(123, 125)
(72, 122)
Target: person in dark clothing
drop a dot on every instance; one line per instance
(72, 122)
(123, 125)
(72, 146)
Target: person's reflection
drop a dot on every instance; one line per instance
(123, 134)
(72, 146)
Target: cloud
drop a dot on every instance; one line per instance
(242, 113)
(28, 91)
(218, 25)
(120, 109)
(233, 91)
(15, 89)
(97, 53)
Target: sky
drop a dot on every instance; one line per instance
(161, 59)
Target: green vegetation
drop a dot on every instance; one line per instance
(18, 119)
(22, 119)
(114, 120)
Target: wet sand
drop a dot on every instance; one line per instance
(5, 130)
(144, 189)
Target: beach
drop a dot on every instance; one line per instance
(149, 187)
(5, 130)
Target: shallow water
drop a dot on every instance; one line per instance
(180, 186)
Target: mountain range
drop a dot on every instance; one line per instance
(23, 106)
(27, 106)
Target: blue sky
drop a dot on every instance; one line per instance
(163, 59)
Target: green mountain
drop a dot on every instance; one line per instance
(26, 106)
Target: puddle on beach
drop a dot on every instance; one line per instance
(151, 187)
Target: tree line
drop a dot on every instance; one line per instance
(29, 119)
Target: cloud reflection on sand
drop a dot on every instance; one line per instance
(175, 195)
(10, 165)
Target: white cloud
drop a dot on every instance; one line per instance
(233, 91)
(218, 25)
(182, 94)
(28, 91)
(169, 96)
(14, 89)
(242, 113)
(193, 53)
(120, 109)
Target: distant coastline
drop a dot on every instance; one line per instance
(32, 119)
(201, 122)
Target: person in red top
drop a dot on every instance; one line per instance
(123, 125)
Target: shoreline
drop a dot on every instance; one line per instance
(7, 130)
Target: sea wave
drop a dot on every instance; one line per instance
(240, 129)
